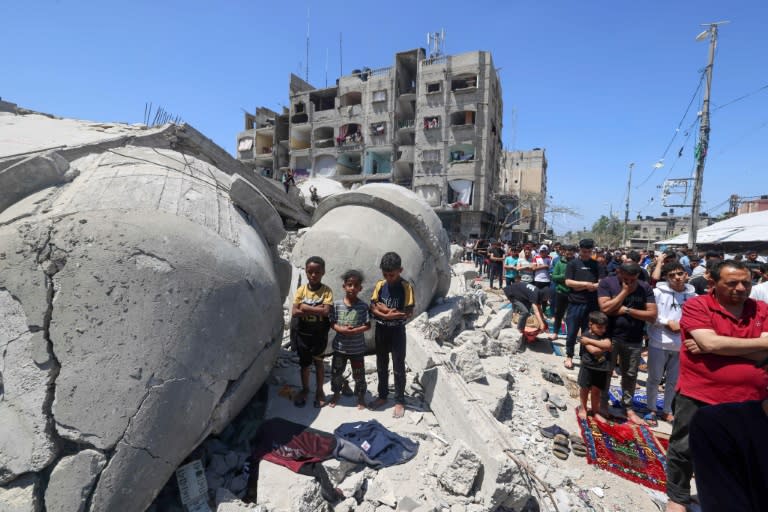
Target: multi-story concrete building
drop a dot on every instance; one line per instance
(643, 232)
(264, 142)
(522, 192)
(431, 124)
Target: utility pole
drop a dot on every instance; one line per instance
(626, 208)
(701, 154)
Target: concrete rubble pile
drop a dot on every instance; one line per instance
(140, 290)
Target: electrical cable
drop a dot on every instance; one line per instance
(735, 100)
(702, 75)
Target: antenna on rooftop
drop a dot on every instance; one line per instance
(306, 72)
(436, 43)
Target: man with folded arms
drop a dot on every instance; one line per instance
(724, 333)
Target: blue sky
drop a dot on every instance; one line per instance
(599, 84)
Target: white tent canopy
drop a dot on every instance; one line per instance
(747, 228)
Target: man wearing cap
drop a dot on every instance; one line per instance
(581, 276)
(629, 304)
(724, 332)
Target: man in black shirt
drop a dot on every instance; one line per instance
(755, 266)
(629, 304)
(496, 257)
(581, 276)
(527, 299)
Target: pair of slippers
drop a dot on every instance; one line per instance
(562, 446)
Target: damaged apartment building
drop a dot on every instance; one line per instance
(429, 123)
(522, 190)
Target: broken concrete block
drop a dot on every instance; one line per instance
(467, 362)
(444, 319)
(381, 492)
(460, 469)
(21, 495)
(471, 337)
(494, 394)
(499, 321)
(72, 481)
(31, 175)
(26, 444)
(511, 340)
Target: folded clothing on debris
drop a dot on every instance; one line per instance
(372, 443)
(639, 400)
(297, 447)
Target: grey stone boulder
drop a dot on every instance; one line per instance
(459, 469)
(72, 480)
(499, 321)
(467, 362)
(23, 495)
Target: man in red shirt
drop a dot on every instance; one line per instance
(724, 333)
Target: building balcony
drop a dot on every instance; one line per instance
(350, 146)
(406, 124)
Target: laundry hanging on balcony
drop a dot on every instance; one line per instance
(462, 191)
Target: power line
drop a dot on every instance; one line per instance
(740, 98)
(677, 130)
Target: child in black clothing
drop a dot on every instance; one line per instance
(311, 307)
(595, 364)
(392, 306)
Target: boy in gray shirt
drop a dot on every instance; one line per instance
(349, 318)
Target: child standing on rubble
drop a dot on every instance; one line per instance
(312, 307)
(349, 318)
(595, 371)
(392, 306)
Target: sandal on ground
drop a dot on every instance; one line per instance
(552, 377)
(544, 395)
(577, 445)
(553, 410)
(558, 402)
(560, 447)
(568, 363)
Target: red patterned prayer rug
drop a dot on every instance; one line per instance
(628, 450)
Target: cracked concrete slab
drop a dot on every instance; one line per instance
(26, 444)
(71, 481)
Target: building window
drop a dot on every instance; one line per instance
(378, 128)
(379, 96)
(434, 87)
(432, 122)
(431, 155)
(298, 108)
(464, 82)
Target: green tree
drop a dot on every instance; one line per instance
(607, 231)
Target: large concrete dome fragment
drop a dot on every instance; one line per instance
(354, 229)
(141, 294)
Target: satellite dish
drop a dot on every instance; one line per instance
(703, 35)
